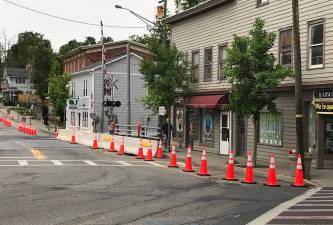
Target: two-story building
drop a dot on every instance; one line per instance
(85, 87)
(15, 81)
(205, 32)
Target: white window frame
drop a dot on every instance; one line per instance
(312, 24)
(73, 89)
(267, 129)
(85, 119)
(208, 64)
(85, 87)
(196, 66)
(281, 51)
(73, 122)
(262, 2)
(221, 61)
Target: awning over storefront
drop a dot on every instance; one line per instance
(207, 101)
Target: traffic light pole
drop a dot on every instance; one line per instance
(103, 80)
(129, 87)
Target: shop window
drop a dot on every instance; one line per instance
(311, 126)
(85, 119)
(72, 118)
(328, 135)
(208, 127)
(316, 45)
(270, 128)
(195, 66)
(286, 47)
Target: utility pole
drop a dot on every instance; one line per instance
(103, 79)
(298, 81)
(129, 87)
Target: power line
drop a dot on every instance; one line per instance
(67, 19)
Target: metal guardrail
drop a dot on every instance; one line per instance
(145, 132)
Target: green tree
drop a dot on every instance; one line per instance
(251, 69)
(89, 41)
(42, 60)
(58, 89)
(166, 75)
(21, 53)
(107, 39)
(72, 44)
(144, 39)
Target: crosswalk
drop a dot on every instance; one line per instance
(22, 162)
(315, 209)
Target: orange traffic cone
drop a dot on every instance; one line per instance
(271, 175)
(173, 158)
(149, 156)
(188, 162)
(122, 147)
(159, 153)
(298, 179)
(112, 144)
(94, 144)
(140, 151)
(249, 177)
(203, 165)
(230, 173)
(34, 133)
(73, 137)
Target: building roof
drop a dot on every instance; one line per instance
(98, 46)
(16, 72)
(196, 10)
(98, 64)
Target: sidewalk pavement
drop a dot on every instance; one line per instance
(218, 164)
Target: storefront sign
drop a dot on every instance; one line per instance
(323, 107)
(323, 94)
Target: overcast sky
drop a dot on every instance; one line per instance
(14, 20)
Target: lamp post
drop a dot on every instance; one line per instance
(143, 19)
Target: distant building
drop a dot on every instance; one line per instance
(86, 85)
(15, 81)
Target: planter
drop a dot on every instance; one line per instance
(307, 165)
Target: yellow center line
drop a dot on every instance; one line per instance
(37, 154)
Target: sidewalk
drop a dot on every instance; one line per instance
(217, 163)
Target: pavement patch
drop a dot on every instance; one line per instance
(37, 154)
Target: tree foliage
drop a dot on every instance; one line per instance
(21, 53)
(251, 70)
(166, 75)
(89, 41)
(41, 66)
(72, 44)
(58, 89)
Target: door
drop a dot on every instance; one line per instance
(225, 132)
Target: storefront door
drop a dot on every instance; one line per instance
(328, 149)
(225, 132)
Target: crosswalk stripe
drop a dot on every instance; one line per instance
(156, 164)
(304, 218)
(91, 163)
(314, 205)
(309, 210)
(124, 163)
(22, 162)
(57, 162)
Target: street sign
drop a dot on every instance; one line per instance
(109, 103)
(161, 111)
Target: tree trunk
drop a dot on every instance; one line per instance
(169, 128)
(255, 140)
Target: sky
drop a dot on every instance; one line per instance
(14, 20)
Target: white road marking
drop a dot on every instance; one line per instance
(304, 218)
(91, 163)
(313, 205)
(316, 200)
(23, 162)
(124, 163)
(156, 164)
(309, 210)
(16, 157)
(57, 162)
(273, 213)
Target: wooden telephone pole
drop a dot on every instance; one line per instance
(298, 81)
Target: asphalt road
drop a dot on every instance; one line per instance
(45, 181)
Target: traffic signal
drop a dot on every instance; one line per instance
(109, 103)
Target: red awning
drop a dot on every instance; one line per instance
(207, 101)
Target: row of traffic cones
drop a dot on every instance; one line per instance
(203, 171)
(7, 122)
(271, 174)
(27, 129)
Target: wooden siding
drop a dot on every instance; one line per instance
(218, 25)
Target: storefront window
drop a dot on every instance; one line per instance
(312, 126)
(329, 135)
(207, 127)
(270, 128)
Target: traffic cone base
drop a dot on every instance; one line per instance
(272, 185)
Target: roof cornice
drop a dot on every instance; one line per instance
(196, 10)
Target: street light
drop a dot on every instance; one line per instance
(145, 20)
